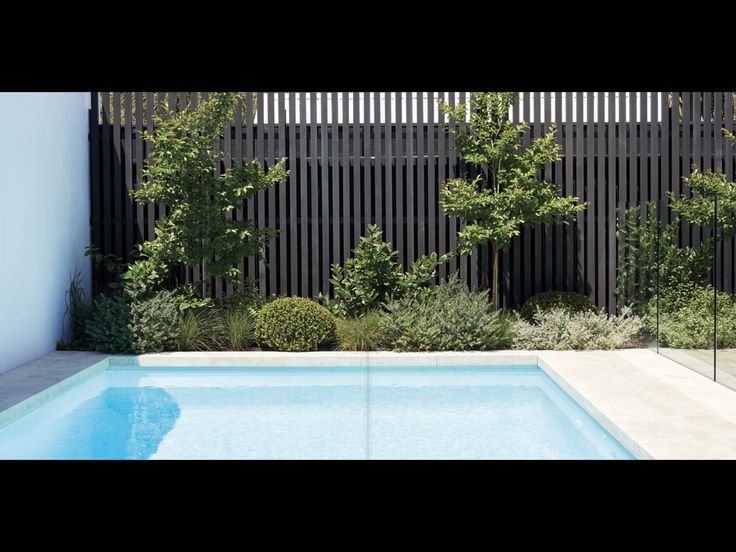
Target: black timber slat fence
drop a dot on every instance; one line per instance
(349, 172)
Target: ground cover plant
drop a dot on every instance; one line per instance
(559, 329)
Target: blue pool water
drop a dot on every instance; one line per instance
(509, 412)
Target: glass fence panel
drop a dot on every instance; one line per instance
(636, 279)
(685, 292)
(725, 354)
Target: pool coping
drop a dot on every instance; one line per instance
(45, 379)
(589, 377)
(599, 416)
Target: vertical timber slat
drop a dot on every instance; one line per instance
(292, 183)
(118, 192)
(281, 191)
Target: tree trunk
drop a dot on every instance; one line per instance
(485, 267)
(494, 287)
(203, 266)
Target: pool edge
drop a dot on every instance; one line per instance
(639, 452)
(35, 401)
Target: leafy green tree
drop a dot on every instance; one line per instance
(199, 228)
(714, 199)
(498, 202)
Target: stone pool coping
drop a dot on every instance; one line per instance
(654, 406)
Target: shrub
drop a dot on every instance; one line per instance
(294, 324)
(360, 334)
(374, 275)
(187, 297)
(560, 330)
(201, 329)
(453, 318)
(547, 301)
(108, 328)
(155, 323)
(686, 319)
(249, 299)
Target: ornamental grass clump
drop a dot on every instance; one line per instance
(201, 329)
(360, 334)
(78, 312)
(239, 328)
(451, 318)
(559, 330)
(294, 324)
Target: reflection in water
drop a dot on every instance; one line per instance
(122, 422)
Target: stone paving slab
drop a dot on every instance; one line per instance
(656, 407)
(28, 379)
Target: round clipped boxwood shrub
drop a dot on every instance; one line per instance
(294, 324)
(547, 301)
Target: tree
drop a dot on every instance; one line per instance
(199, 228)
(497, 203)
(714, 199)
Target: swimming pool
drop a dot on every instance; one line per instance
(286, 412)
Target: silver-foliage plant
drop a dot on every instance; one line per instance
(558, 330)
(451, 318)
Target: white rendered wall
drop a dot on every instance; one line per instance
(44, 217)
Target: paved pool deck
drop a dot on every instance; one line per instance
(656, 407)
(25, 381)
